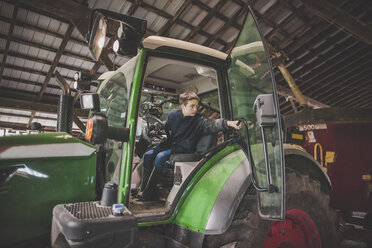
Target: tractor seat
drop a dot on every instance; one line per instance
(203, 145)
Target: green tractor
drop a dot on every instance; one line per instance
(239, 189)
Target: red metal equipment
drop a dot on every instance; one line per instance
(341, 141)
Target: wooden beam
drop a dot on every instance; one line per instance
(332, 70)
(49, 49)
(342, 19)
(292, 84)
(339, 54)
(42, 61)
(165, 30)
(21, 126)
(53, 67)
(297, 13)
(12, 103)
(27, 95)
(282, 91)
(164, 14)
(363, 87)
(211, 13)
(19, 80)
(41, 30)
(26, 116)
(345, 77)
(10, 33)
(79, 123)
(213, 38)
(77, 13)
(55, 60)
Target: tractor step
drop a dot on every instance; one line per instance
(88, 224)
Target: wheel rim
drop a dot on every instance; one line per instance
(298, 230)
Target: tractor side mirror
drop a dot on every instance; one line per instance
(97, 35)
(130, 33)
(98, 131)
(90, 101)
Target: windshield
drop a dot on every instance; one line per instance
(114, 94)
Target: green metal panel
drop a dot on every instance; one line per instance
(41, 138)
(196, 209)
(28, 195)
(128, 147)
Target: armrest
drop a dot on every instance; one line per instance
(185, 157)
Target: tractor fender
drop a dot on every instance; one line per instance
(210, 206)
(229, 199)
(302, 162)
(235, 187)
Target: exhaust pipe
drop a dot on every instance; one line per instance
(65, 106)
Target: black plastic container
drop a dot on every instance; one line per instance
(88, 224)
(109, 194)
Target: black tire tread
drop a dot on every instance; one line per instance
(249, 230)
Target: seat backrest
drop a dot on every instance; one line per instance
(206, 142)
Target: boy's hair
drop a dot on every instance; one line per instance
(187, 96)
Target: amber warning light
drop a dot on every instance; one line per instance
(89, 129)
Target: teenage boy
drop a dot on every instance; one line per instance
(186, 126)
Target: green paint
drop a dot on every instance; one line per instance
(41, 138)
(199, 176)
(198, 205)
(128, 147)
(27, 199)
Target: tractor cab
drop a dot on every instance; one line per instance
(200, 190)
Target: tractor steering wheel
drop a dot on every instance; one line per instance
(157, 134)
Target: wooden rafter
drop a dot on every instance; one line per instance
(164, 14)
(333, 69)
(46, 48)
(134, 7)
(76, 13)
(41, 30)
(165, 30)
(296, 13)
(282, 91)
(28, 82)
(55, 60)
(343, 20)
(35, 59)
(53, 66)
(36, 106)
(8, 39)
(2, 113)
(21, 126)
(339, 54)
(237, 15)
(27, 95)
(211, 13)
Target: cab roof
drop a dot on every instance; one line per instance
(154, 42)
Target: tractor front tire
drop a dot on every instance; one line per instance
(308, 216)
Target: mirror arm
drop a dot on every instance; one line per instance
(127, 20)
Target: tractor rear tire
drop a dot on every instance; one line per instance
(303, 195)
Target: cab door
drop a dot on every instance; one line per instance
(253, 98)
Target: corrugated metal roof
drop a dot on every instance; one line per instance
(210, 3)
(6, 9)
(169, 6)
(287, 25)
(4, 28)
(213, 25)
(193, 15)
(154, 21)
(230, 8)
(178, 32)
